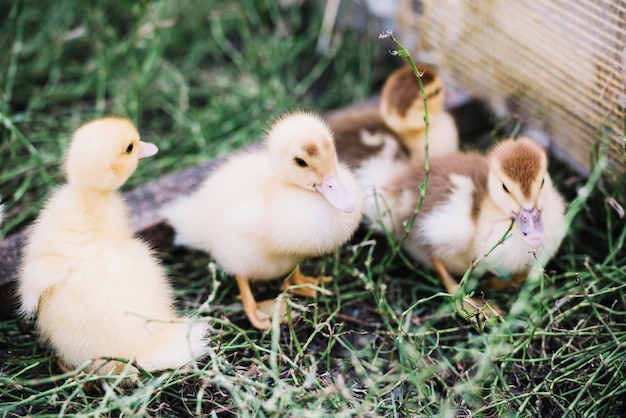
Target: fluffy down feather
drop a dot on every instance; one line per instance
(95, 289)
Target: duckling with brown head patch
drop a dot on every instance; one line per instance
(263, 211)
(469, 205)
(402, 109)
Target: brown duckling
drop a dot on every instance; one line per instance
(470, 203)
(402, 109)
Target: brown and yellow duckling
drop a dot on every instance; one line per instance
(470, 202)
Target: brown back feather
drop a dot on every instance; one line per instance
(348, 130)
(471, 164)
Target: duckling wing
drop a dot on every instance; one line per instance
(302, 222)
(117, 302)
(229, 217)
(447, 227)
(37, 276)
(227, 206)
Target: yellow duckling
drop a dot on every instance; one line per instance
(470, 203)
(402, 110)
(263, 211)
(96, 290)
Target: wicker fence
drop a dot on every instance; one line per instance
(560, 65)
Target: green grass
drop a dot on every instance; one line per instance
(384, 341)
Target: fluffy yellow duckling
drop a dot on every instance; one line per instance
(263, 211)
(402, 110)
(96, 290)
(469, 205)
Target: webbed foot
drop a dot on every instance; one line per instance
(299, 282)
(259, 313)
(474, 310)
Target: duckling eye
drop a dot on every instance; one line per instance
(433, 94)
(129, 148)
(300, 162)
(505, 189)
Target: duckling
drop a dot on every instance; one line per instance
(365, 130)
(402, 110)
(264, 210)
(97, 290)
(470, 203)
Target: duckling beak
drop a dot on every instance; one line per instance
(147, 149)
(531, 226)
(336, 193)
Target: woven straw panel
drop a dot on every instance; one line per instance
(558, 64)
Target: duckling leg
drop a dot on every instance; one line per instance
(297, 278)
(257, 318)
(97, 368)
(258, 313)
(512, 285)
(88, 387)
(451, 285)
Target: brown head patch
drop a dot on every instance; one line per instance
(521, 161)
(310, 149)
(402, 88)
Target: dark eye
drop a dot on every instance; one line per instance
(543, 182)
(300, 162)
(129, 148)
(505, 189)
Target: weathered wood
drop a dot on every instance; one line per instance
(9, 261)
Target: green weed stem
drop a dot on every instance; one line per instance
(403, 52)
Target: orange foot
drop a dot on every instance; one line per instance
(259, 314)
(477, 308)
(298, 279)
(94, 386)
(509, 286)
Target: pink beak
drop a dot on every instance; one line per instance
(336, 193)
(147, 149)
(531, 226)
